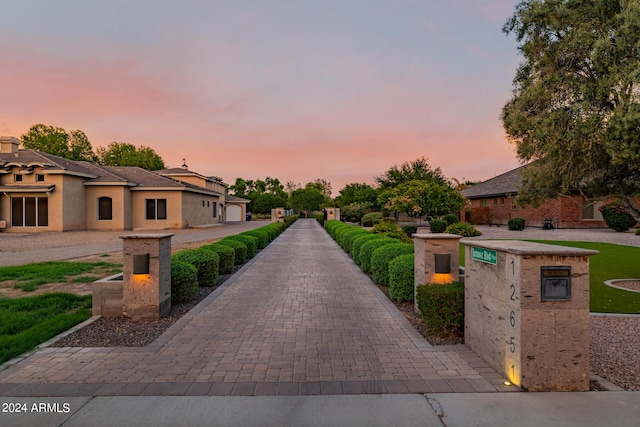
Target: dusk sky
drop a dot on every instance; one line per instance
(296, 89)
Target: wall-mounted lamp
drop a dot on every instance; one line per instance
(443, 263)
(141, 264)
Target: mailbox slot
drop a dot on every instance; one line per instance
(555, 283)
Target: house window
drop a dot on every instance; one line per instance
(513, 204)
(207, 203)
(203, 203)
(105, 208)
(156, 209)
(484, 203)
(29, 211)
(39, 177)
(501, 202)
(495, 202)
(590, 210)
(215, 209)
(17, 178)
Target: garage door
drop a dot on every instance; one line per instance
(234, 213)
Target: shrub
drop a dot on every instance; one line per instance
(184, 282)
(320, 218)
(343, 228)
(450, 219)
(263, 237)
(205, 261)
(359, 241)
(370, 219)
(638, 232)
(354, 212)
(442, 308)
(366, 251)
(516, 224)
(401, 278)
(437, 225)
(347, 237)
(251, 242)
(239, 248)
(381, 257)
(226, 254)
(617, 216)
(290, 219)
(463, 229)
(333, 226)
(410, 230)
(390, 229)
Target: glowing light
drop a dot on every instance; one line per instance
(507, 383)
(442, 278)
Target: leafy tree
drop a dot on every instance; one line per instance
(575, 110)
(264, 202)
(357, 193)
(418, 169)
(307, 199)
(72, 145)
(291, 186)
(423, 198)
(124, 154)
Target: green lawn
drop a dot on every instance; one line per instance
(28, 277)
(613, 262)
(27, 322)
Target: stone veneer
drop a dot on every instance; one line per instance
(147, 296)
(538, 345)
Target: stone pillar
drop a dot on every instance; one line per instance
(277, 214)
(527, 312)
(333, 213)
(426, 246)
(146, 295)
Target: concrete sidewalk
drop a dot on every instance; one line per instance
(593, 409)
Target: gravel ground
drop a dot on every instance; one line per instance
(615, 350)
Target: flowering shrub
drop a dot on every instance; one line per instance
(617, 217)
(463, 229)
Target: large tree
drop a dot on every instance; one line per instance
(418, 169)
(72, 145)
(575, 110)
(356, 192)
(430, 198)
(124, 154)
(307, 199)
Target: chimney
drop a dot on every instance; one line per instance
(9, 144)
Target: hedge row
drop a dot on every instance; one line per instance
(392, 264)
(373, 252)
(191, 268)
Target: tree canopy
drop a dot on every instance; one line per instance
(72, 145)
(124, 154)
(418, 169)
(307, 199)
(430, 198)
(575, 110)
(264, 194)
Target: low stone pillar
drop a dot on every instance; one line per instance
(146, 288)
(333, 213)
(527, 312)
(432, 247)
(277, 214)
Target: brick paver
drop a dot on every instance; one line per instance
(299, 319)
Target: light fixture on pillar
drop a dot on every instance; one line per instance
(141, 263)
(443, 263)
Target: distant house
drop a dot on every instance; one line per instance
(492, 202)
(43, 192)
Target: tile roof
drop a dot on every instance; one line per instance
(507, 183)
(50, 162)
(235, 199)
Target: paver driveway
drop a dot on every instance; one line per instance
(301, 318)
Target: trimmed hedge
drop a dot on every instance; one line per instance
(226, 254)
(184, 282)
(381, 257)
(320, 218)
(463, 229)
(442, 308)
(250, 241)
(366, 252)
(437, 225)
(410, 230)
(239, 248)
(288, 220)
(371, 219)
(261, 235)
(450, 219)
(205, 261)
(516, 224)
(359, 241)
(348, 236)
(401, 278)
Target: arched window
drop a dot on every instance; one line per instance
(104, 208)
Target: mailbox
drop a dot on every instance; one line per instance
(555, 283)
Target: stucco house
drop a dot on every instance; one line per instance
(43, 192)
(492, 202)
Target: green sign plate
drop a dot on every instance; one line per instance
(484, 255)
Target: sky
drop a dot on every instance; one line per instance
(293, 89)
